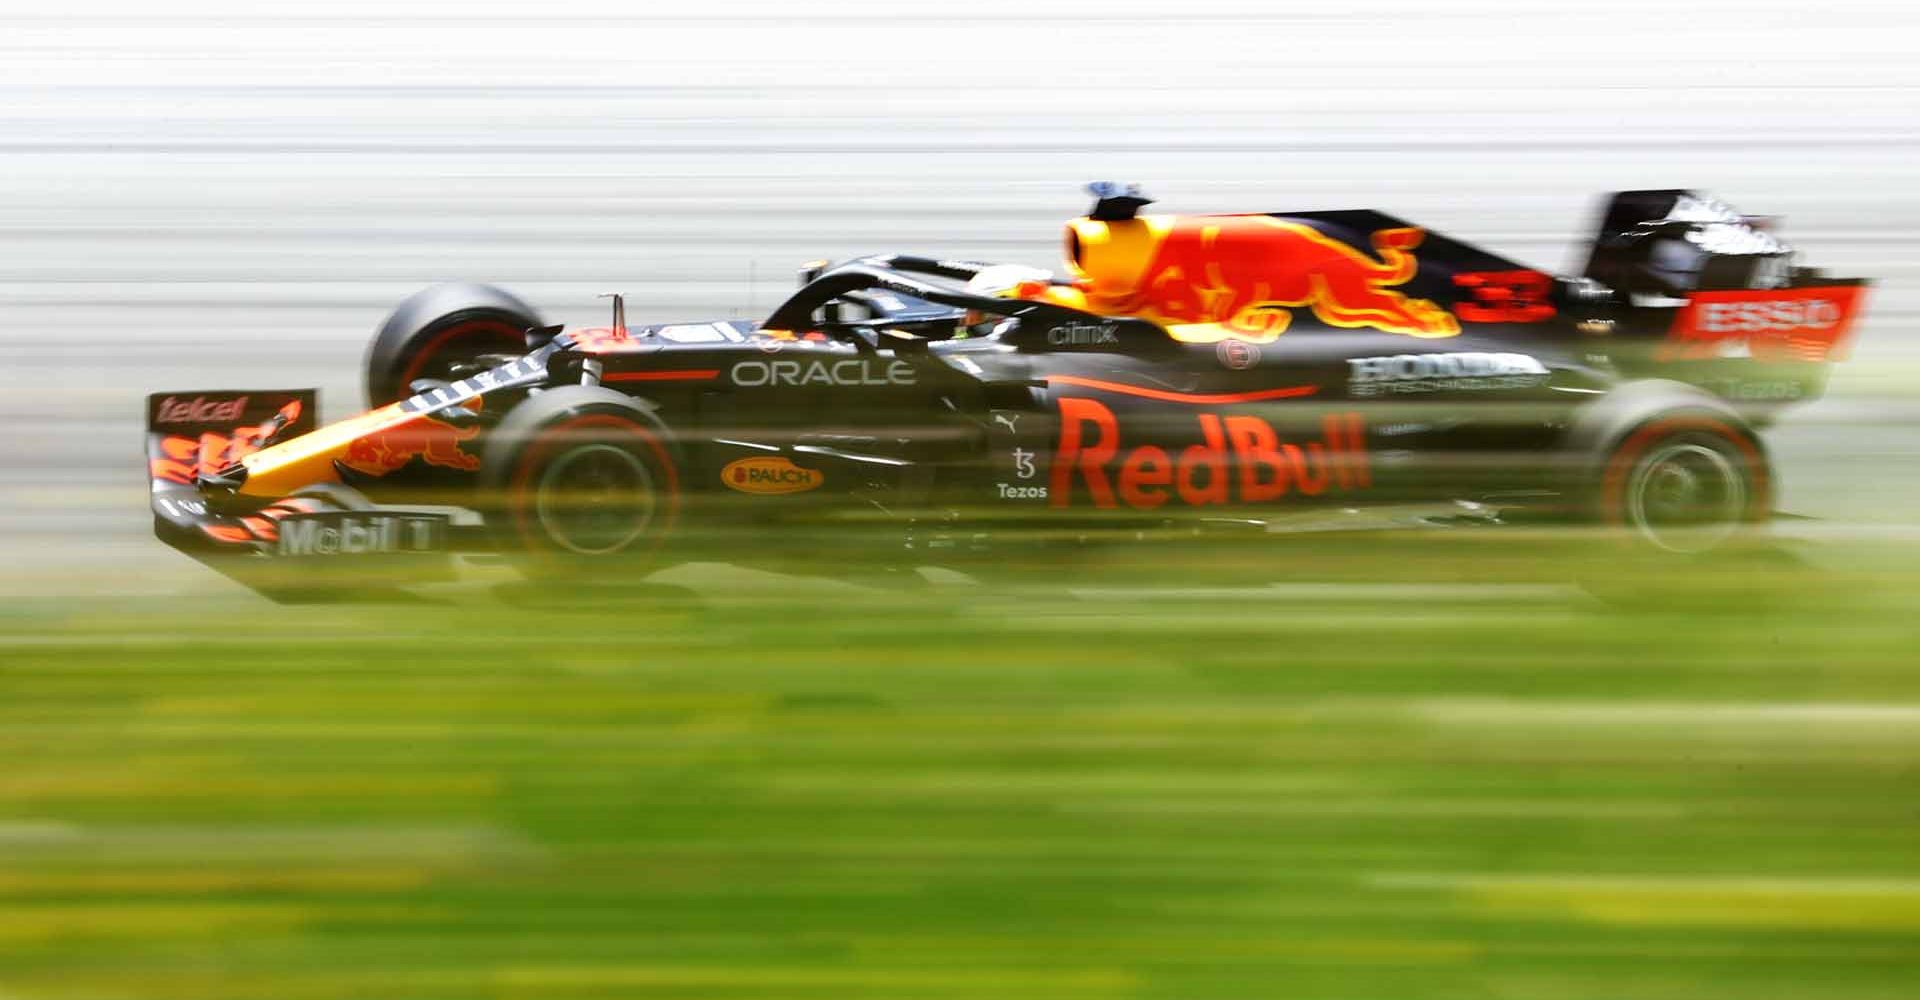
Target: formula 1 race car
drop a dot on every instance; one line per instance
(1198, 368)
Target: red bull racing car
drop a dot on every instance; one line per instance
(1183, 368)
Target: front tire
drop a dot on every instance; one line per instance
(435, 330)
(581, 479)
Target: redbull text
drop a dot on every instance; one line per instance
(1240, 459)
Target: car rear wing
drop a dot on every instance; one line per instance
(1710, 296)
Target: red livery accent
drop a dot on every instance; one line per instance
(1786, 324)
(233, 534)
(602, 339)
(688, 375)
(1198, 399)
(1505, 296)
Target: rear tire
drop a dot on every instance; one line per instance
(436, 329)
(1684, 483)
(1681, 492)
(581, 479)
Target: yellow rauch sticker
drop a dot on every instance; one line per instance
(770, 474)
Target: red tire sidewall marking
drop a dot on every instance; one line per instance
(463, 329)
(521, 498)
(1613, 498)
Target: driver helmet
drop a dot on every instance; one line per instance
(1002, 281)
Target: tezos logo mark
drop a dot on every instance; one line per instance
(770, 475)
(200, 410)
(848, 372)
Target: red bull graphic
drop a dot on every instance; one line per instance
(1211, 278)
(426, 438)
(1239, 459)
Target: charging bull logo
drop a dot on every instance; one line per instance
(1243, 276)
(1239, 459)
(432, 441)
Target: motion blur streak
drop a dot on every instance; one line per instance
(1375, 779)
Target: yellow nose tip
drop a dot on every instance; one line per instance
(1113, 256)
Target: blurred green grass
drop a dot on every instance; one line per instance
(1324, 769)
